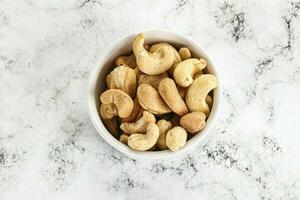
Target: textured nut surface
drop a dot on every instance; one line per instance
(197, 92)
(150, 100)
(157, 62)
(184, 53)
(176, 138)
(177, 58)
(108, 111)
(112, 126)
(152, 80)
(119, 99)
(193, 122)
(143, 142)
(129, 61)
(164, 126)
(135, 112)
(185, 71)
(123, 78)
(168, 91)
(140, 125)
(123, 138)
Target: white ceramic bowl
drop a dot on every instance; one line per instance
(123, 47)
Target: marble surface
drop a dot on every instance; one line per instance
(50, 150)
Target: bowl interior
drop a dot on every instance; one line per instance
(124, 47)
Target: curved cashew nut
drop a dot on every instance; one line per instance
(193, 122)
(197, 92)
(177, 58)
(143, 142)
(135, 112)
(164, 126)
(108, 111)
(185, 71)
(123, 78)
(150, 100)
(153, 63)
(129, 61)
(140, 125)
(119, 99)
(152, 80)
(176, 138)
(184, 53)
(168, 91)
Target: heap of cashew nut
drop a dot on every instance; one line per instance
(157, 97)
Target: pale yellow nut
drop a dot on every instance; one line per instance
(185, 71)
(176, 138)
(184, 53)
(123, 78)
(121, 100)
(140, 125)
(193, 122)
(143, 142)
(197, 92)
(164, 126)
(150, 100)
(153, 63)
(152, 80)
(168, 91)
(129, 61)
(177, 58)
(108, 111)
(135, 112)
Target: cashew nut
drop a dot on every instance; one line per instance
(112, 126)
(108, 111)
(150, 100)
(176, 138)
(193, 122)
(135, 112)
(153, 63)
(119, 99)
(129, 61)
(184, 53)
(123, 138)
(140, 125)
(168, 91)
(152, 80)
(143, 142)
(177, 58)
(123, 78)
(197, 92)
(164, 126)
(185, 71)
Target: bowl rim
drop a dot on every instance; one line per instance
(99, 126)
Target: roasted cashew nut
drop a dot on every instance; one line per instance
(168, 91)
(185, 71)
(135, 112)
(129, 61)
(108, 111)
(184, 53)
(177, 58)
(197, 92)
(153, 63)
(152, 80)
(140, 125)
(119, 99)
(164, 126)
(150, 100)
(143, 142)
(122, 78)
(176, 138)
(193, 122)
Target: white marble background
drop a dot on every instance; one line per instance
(50, 150)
